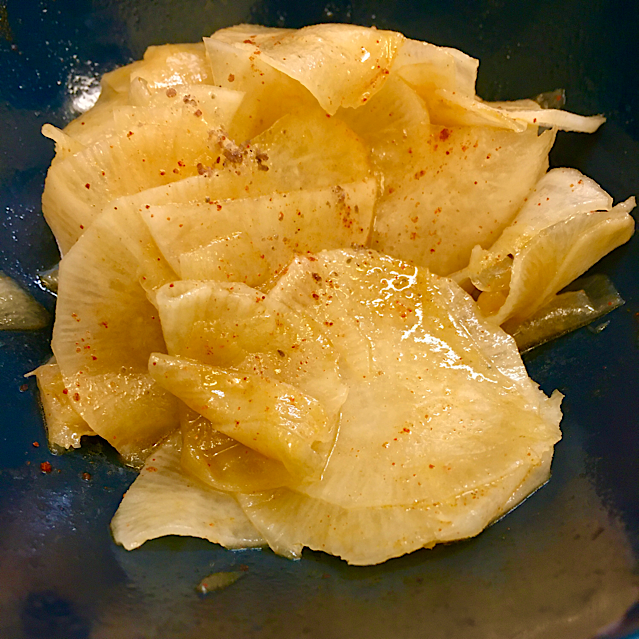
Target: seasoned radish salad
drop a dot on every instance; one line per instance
(297, 265)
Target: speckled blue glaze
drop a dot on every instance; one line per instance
(561, 566)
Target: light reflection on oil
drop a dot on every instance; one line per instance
(83, 91)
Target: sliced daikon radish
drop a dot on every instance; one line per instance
(274, 227)
(461, 187)
(543, 248)
(65, 427)
(105, 330)
(447, 405)
(341, 65)
(78, 187)
(215, 105)
(290, 521)
(271, 417)
(394, 120)
(223, 463)
(65, 145)
(164, 501)
(268, 93)
(231, 325)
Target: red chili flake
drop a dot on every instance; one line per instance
(65, 391)
(152, 469)
(76, 397)
(171, 92)
(231, 77)
(87, 186)
(36, 444)
(82, 226)
(86, 476)
(24, 387)
(162, 172)
(431, 466)
(171, 285)
(444, 134)
(219, 207)
(46, 467)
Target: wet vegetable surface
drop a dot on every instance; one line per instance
(562, 565)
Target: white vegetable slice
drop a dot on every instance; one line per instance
(269, 94)
(553, 118)
(97, 122)
(105, 330)
(164, 501)
(461, 187)
(78, 187)
(271, 229)
(65, 145)
(65, 427)
(430, 67)
(290, 521)
(394, 120)
(445, 79)
(215, 105)
(271, 417)
(291, 155)
(166, 65)
(558, 255)
(341, 65)
(565, 226)
(18, 310)
(447, 405)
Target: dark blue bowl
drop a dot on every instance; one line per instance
(563, 565)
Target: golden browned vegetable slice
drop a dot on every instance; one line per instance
(105, 330)
(234, 326)
(163, 501)
(65, 427)
(275, 419)
(222, 462)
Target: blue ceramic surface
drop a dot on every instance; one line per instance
(561, 566)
